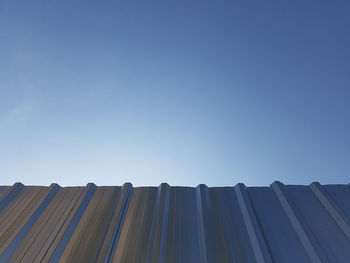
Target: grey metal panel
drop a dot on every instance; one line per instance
(18, 213)
(226, 235)
(111, 236)
(92, 227)
(3, 191)
(310, 249)
(281, 223)
(62, 245)
(136, 231)
(321, 225)
(25, 229)
(49, 225)
(280, 235)
(331, 208)
(340, 195)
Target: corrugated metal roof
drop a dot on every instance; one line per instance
(280, 223)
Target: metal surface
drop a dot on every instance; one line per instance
(281, 223)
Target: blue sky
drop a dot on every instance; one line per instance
(184, 92)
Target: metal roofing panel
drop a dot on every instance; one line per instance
(281, 223)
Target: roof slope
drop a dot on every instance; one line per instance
(280, 223)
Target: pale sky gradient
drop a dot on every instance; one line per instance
(184, 92)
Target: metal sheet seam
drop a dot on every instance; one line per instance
(15, 189)
(321, 196)
(98, 254)
(119, 225)
(310, 250)
(249, 225)
(202, 246)
(29, 224)
(164, 229)
(73, 224)
(160, 190)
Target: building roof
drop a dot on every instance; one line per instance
(280, 223)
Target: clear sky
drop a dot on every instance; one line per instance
(184, 92)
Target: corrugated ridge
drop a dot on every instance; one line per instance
(201, 190)
(164, 226)
(112, 237)
(156, 220)
(242, 201)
